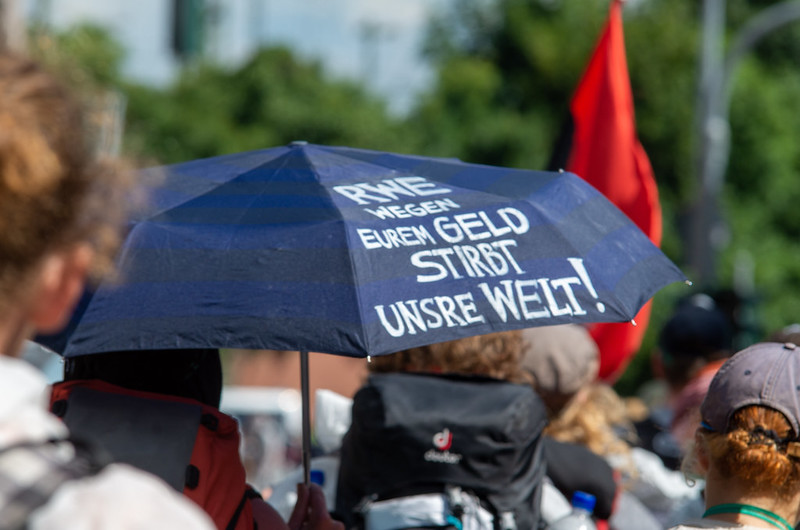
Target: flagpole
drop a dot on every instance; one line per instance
(304, 394)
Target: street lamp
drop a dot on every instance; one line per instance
(709, 233)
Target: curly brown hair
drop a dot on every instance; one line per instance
(53, 191)
(495, 355)
(753, 451)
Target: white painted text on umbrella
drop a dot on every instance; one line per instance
(478, 244)
(529, 299)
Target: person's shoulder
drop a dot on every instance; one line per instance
(21, 380)
(23, 404)
(121, 497)
(573, 467)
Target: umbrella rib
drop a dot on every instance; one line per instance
(359, 305)
(211, 186)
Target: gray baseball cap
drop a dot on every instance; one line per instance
(561, 358)
(767, 374)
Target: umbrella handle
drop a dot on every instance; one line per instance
(306, 417)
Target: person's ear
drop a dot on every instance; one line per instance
(701, 452)
(61, 279)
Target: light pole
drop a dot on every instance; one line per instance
(709, 233)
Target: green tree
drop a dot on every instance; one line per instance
(86, 55)
(508, 68)
(271, 100)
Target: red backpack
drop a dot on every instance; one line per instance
(192, 446)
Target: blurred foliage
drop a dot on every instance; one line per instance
(87, 56)
(533, 52)
(505, 72)
(271, 100)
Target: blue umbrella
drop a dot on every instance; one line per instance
(357, 252)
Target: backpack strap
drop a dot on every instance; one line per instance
(31, 472)
(249, 494)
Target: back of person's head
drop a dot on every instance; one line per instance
(751, 420)
(188, 373)
(599, 421)
(561, 360)
(564, 362)
(53, 193)
(494, 355)
(697, 333)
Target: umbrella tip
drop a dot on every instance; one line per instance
(561, 170)
(369, 358)
(298, 143)
(634, 322)
(689, 283)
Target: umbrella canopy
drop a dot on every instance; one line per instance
(357, 252)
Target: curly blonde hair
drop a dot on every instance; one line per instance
(753, 452)
(599, 419)
(495, 355)
(53, 191)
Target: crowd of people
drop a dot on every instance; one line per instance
(493, 431)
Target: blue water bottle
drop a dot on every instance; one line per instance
(581, 516)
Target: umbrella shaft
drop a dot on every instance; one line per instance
(306, 417)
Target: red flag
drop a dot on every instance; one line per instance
(606, 152)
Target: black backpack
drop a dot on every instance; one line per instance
(472, 444)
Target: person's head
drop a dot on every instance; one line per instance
(696, 334)
(750, 430)
(600, 421)
(562, 360)
(190, 373)
(57, 203)
(495, 355)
